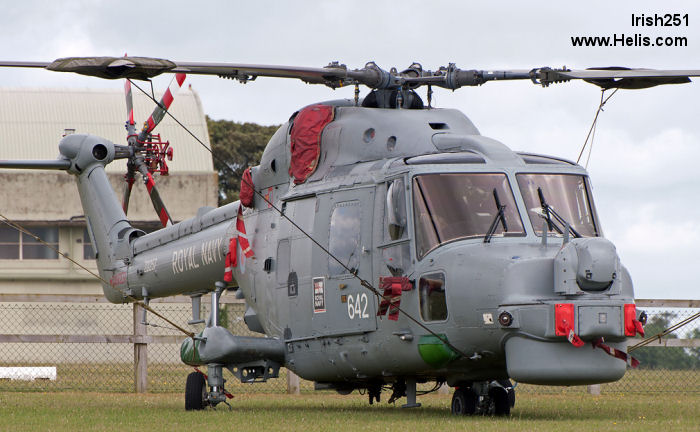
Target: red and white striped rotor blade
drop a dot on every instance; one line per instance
(162, 108)
(129, 105)
(129, 183)
(157, 201)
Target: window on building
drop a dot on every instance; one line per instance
(9, 242)
(344, 238)
(21, 246)
(433, 303)
(88, 249)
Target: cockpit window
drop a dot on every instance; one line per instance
(566, 194)
(454, 206)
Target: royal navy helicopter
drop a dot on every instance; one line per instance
(380, 242)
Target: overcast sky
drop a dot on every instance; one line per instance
(644, 162)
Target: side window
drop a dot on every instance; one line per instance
(395, 214)
(344, 237)
(283, 252)
(433, 303)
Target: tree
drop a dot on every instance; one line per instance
(238, 145)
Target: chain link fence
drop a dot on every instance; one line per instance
(91, 347)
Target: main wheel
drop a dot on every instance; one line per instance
(464, 401)
(501, 401)
(195, 392)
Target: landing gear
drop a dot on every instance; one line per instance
(464, 401)
(485, 398)
(196, 397)
(203, 390)
(499, 401)
(374, 391)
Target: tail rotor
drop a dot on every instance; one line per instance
(148, 154)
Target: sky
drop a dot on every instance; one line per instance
(643, 164)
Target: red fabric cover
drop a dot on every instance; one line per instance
(306, 140)
(563, 318)
(391, 298)
(247, 194)
(630, 318)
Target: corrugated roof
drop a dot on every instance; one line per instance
(33, 120)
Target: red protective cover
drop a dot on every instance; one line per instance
(247, 194)
(306, 140)
(391, 298)
(563, 318)
(630, 318)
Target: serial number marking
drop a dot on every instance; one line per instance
(357, 306)
(150, 265)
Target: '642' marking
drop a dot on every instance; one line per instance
(357, 306)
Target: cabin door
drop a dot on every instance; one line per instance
(339, 303)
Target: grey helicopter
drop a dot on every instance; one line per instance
(379, 244)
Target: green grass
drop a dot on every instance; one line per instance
(329, 412)
(170, 378)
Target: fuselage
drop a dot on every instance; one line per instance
(409, 195)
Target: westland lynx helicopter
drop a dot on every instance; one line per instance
(380, 242)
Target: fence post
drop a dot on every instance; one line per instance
(292, 383)
(140, 354)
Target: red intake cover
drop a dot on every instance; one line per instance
(306, 140)
(247, 194)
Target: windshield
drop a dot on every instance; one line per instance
(454, 206)
(566, 194)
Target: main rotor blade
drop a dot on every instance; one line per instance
(625, 78)
(158, 204)
(24, 64)
(162, 108)
(141, 68)
(59, 164)
(244, 72)
(336, 75)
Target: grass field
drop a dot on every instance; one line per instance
(330, 412)
(170, 378)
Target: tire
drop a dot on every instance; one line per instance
(501, 401)
(195, 392)
(510, 389)
(464, 402)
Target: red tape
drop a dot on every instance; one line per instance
(240, 237)
(573, 338)
(599, 343)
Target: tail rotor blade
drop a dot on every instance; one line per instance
(129, 179)
(162, 108)
(129, 107)
(158, 205)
